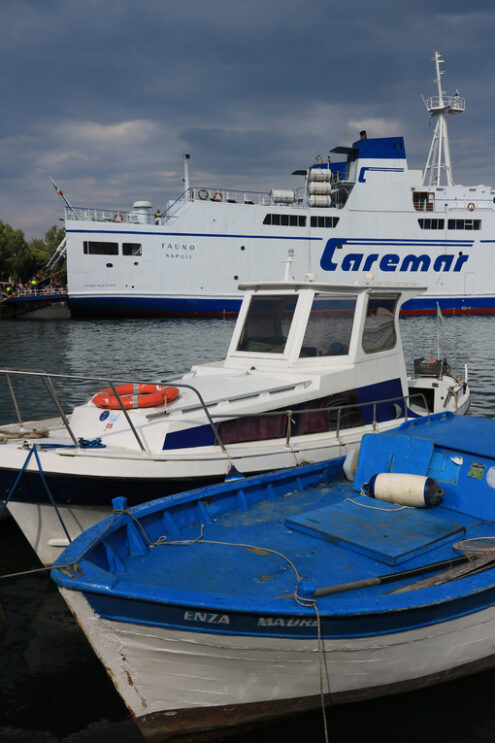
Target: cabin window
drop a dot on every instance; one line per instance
(324, 221)
(379, 332)
(99, 248)
(328, 413)
(267, 324)
(329, 328)
(287, 220)
(431, 224)
(131, 249)
(464, 224)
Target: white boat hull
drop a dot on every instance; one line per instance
(176, 682)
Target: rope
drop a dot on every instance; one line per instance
(305, 602)
(376, 508)
(73, 568)
(6, 435)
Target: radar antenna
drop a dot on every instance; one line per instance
(438, 162)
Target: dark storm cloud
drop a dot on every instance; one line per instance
(105, 95)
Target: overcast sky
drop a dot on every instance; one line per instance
(105, 96)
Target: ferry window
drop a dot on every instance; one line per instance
(267, 324)
(464, 224)
(379, 332)
(431, 224)
(324, 221)
(131, 249)
(98, 248)
(329, 328)
(292, 220)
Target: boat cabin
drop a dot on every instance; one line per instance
(299, 325)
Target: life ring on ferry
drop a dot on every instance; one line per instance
(118, 217)
(217, 196)
(203, 194)
(135, 396)
(470, 206)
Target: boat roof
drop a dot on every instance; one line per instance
(320, 286)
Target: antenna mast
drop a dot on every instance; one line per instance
(439, 106)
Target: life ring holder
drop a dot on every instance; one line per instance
(134, 396)
(118, 217)
(217, 196)
(203, 194)
(471, 206)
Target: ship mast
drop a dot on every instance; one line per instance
(439, 106)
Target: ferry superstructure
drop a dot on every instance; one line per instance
(366, 214)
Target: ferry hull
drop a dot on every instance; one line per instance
(188, 307)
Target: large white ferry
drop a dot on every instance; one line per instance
(365, 214)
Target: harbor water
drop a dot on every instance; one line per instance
(52, 686)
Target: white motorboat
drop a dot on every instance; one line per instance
(310, 368)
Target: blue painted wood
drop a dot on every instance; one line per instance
(224, 565)
(402, 453)
(382, 531)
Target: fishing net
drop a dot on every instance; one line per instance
(476, 547)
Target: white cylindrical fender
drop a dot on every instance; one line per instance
(405, 490)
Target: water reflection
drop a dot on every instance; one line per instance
(52, 688)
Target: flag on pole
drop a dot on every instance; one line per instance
(439, 324)
(59, 191)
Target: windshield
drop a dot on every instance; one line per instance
(267, 324)
(379, 329)
(329, 328)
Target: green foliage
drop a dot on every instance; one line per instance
(20, 260)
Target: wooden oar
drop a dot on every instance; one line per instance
(386, 578)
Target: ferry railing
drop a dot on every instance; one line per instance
(202, 193)
(339, 410)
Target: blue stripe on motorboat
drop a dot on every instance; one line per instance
(384, 411)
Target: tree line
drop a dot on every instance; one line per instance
(21, 260)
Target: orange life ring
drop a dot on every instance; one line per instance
(470, 206)
(118, 217)
(135, 396)
(217, 196)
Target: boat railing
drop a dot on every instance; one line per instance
(47, 378)
(402, 402)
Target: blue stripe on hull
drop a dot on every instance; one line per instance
(449, 306)
(70, 490)
(302, 623)
(152, 307)
(183, 307)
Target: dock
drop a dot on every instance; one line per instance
(24, 303)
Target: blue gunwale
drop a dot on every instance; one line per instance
(182, 587)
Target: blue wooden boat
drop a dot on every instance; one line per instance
(239, 603)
